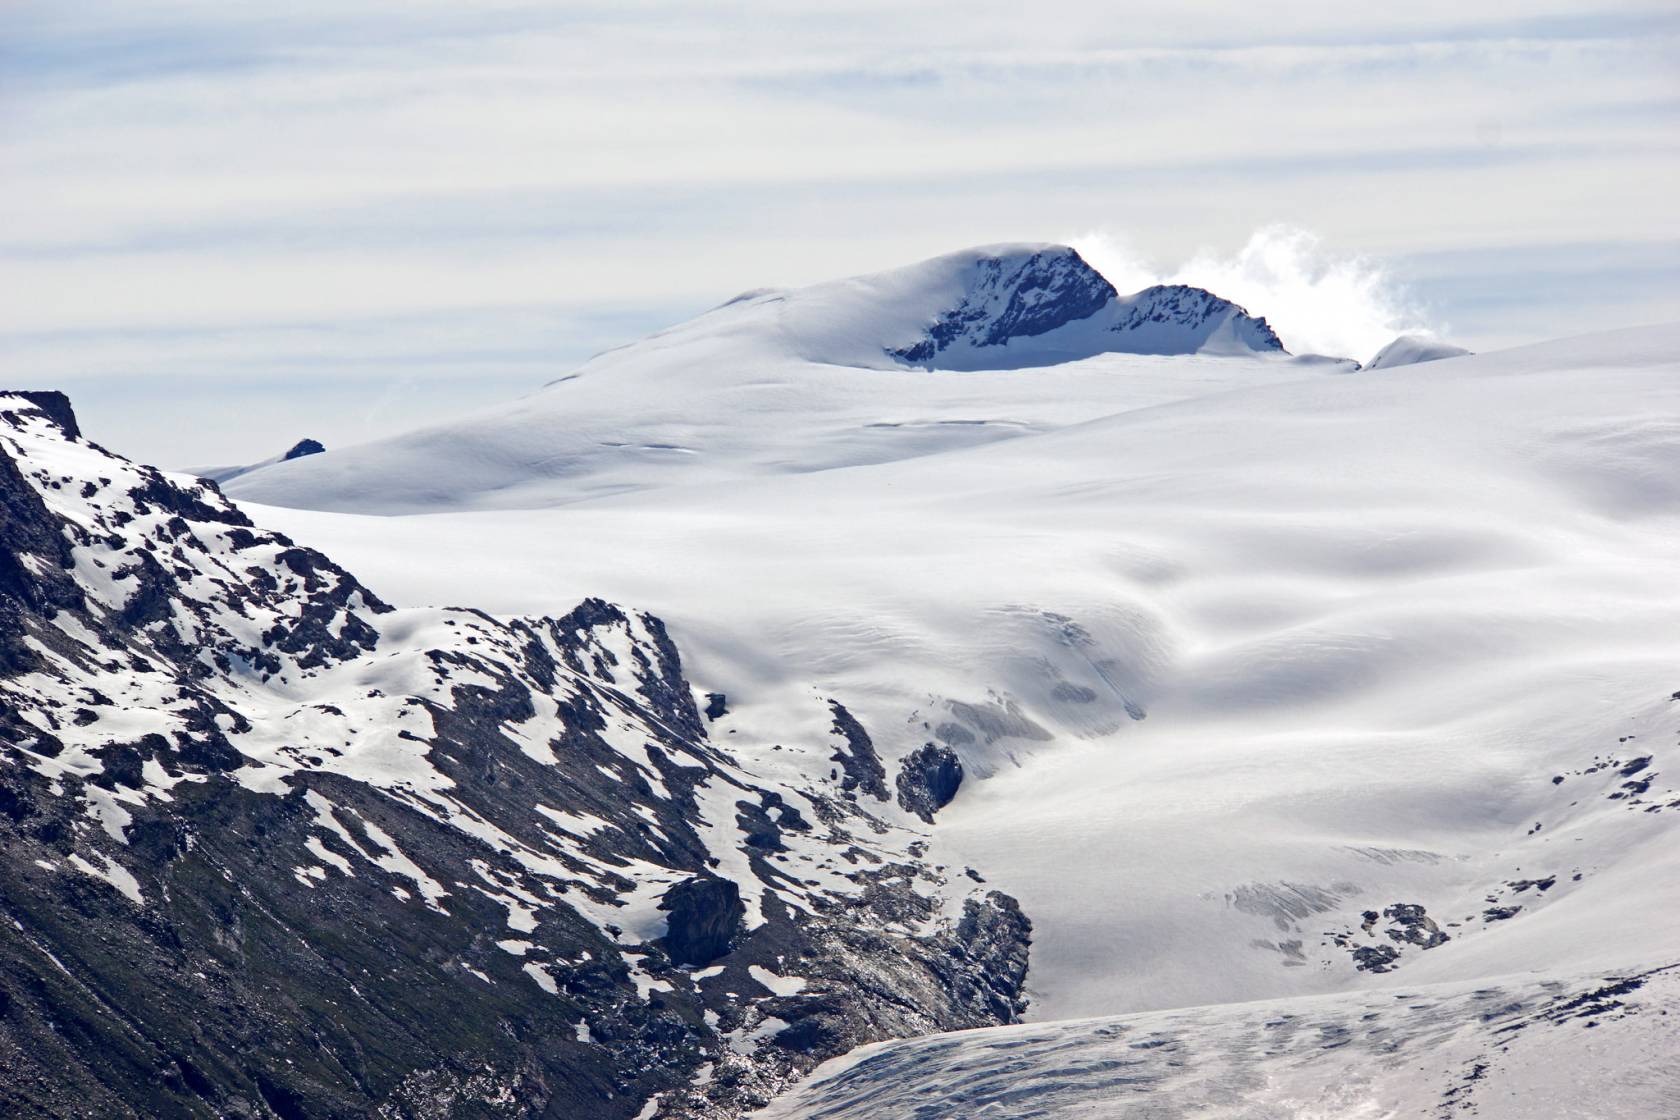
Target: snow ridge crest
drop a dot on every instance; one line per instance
(1011, 298)
(1047, 303)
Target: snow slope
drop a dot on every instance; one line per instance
(1368, 620)
(869, 365)
(1266, 684)
(1410, 349)
(298, 450)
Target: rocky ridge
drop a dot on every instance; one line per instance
(273, 848)
(1050, 294)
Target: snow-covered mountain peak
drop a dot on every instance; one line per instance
(992, 307)
(1010, 292)
(1011, 306)
(1180, 319)
(815, 378)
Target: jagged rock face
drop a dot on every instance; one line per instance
(272, 848)
(1190, 318)
(1010, 299)
(928, 778)
(1062, 309)
(860, 764)
(57, 408)
(705, 918)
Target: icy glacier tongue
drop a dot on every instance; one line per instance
(1264, 684)
(868, 366)
(272, 847)
(1512, 1048)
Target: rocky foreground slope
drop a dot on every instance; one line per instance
(271, 848)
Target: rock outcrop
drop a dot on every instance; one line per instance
(928, 778)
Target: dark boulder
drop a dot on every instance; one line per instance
(928, 779)
(704, 916)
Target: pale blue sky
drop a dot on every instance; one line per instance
(227, 227)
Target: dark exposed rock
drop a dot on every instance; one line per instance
(928, 778)
(1023, 296)
(303, 447)
(1542, 885)
(1410, 926)
(858, 761)
(761, 831)
(997, 934)
(763, 823)
(1605, 999)
(704, 917)
(1191, 308)
(1375, 958)
(717, 705)
(1015, 299)
(55, 405)
(655, 672)
(1413, 926)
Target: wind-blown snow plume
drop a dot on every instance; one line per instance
(1317, 301)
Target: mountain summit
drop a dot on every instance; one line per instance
(1038, 305)
(809, 379)
(1015, 295)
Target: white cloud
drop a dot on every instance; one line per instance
(1319, 302)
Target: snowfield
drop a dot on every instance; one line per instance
(863, 366)
(1271, 680)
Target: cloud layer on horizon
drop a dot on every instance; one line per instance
(485, 195)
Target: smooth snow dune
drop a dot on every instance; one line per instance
(1409, 349)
